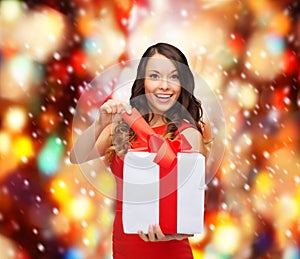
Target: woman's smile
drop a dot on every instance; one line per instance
(163, 97)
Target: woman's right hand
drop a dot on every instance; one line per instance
(111, 112)
(93, 142)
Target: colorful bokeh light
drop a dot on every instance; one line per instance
(247, 54)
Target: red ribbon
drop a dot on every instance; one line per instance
(166, 157)
(166, 150)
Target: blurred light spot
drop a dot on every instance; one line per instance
(105, 183)
(275, 44)
(226, 238)
(92, 45)
(15, 119)
(92, 235)
(7, 247)
(22, 69)
(291, 252)
(18, 74)
(257, 6)
(41, 247)
(290, 204)
(80, 208)
(10, 11)
(197, 254)
(106, 217)
(60, 224)
(48, 120)
(268, 65)
(280, 23)
(197, 238)
(74, 253)
(105, 45)
(264, 184)
(50, 157)
(60, 191)
(247, 96)
(23, 147)
(41, 33)
(5, 141)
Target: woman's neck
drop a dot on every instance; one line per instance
(157, 120)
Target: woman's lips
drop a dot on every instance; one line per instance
(163, 98)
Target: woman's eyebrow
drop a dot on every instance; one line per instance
(156, 71)
(153, 70)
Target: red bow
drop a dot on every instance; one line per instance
(166, 149)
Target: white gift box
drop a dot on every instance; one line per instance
(142, 194)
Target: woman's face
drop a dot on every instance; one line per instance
(162, 84)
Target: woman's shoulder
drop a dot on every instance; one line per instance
(185, 125)
(193, 136)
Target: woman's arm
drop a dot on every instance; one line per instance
(84, 148)
(207, 135)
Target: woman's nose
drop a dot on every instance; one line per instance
(164, 84)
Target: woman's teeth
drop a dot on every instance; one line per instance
(163, 96)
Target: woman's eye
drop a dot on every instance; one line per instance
(174, 77)
(154, 76)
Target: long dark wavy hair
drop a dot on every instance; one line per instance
(187, 107)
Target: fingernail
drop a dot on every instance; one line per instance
(128, 109)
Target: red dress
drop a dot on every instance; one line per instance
(131, 246)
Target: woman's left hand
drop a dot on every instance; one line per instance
(156, 235)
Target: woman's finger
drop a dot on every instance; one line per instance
(128, 108)
(158, 232)
(114, 107)
(143, 236)
(121, 108)
(105, 108)
(151, 233)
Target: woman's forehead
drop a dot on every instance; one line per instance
(160, 63)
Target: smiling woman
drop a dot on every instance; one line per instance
(163, 94)
(166, 68)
